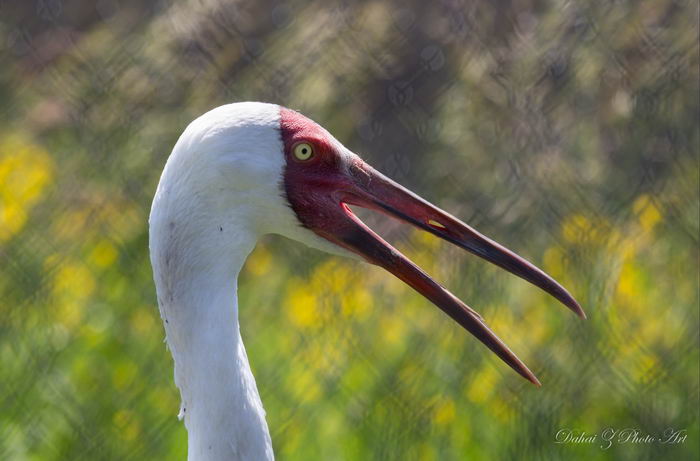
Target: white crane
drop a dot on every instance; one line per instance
(248, 169)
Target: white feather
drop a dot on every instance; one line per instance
(219, 191)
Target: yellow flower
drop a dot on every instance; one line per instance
(72, 285)
(483, 384)
(303, 306)
(444, 412)
(143, 321)
(356, 302)
(103, 254)
(576, 228)
(647, 213)
(393, 328)
(304, 384)
(25, 171)
(128, 425)
(630, 283)
(260, 262)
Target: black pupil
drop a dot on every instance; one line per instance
(303, 150)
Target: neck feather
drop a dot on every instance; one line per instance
(196, 273)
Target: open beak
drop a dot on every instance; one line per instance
(370, 189)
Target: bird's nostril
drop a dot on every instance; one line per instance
(435, 224)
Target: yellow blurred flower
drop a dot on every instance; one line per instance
(103, 253)
(304, 384)
(427, 452)
(143, 321)
(444, 412)
(629, 284)
(356, 303)
(259, 262)
(500, 409)
(645, 367)
(320, 357)
(502, 322)
(12, 219)
(303, 309)
(73, 280)
(553, 262)
(392, 328)
(482, 384)
(25, 171)
(73, 283)
(647, 212)
(164, 399)
(127, 424)
(580, 229)
(575, 227)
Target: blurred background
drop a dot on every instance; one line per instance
(568, 131)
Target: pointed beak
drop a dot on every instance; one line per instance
(367, 188)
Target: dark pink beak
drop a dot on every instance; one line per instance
(366, 187)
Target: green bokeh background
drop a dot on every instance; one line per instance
(567, 131)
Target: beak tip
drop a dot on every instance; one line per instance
(530, 376)
(525, 372)
(571, 303)
(576, 307)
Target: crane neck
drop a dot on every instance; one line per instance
(196, 263)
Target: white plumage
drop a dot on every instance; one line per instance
(218, 193)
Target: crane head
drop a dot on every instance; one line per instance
(299, 181)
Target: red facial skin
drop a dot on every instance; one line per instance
(314, 187)
(319, 188)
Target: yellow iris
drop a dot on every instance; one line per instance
(303, 151)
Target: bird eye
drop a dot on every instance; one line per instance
(303, 151)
